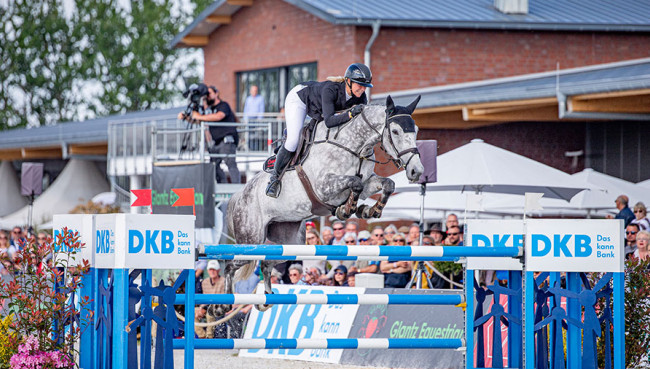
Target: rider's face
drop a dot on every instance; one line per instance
(357, 90)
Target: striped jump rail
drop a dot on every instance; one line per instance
(328, 343)
(374, 251)
(323, 299)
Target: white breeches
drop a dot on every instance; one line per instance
(295, 112)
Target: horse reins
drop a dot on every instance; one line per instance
(399, 163)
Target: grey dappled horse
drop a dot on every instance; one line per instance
(340, 167)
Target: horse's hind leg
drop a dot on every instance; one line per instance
(374, 184)
(266, 268)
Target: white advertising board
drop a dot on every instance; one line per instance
(576, 245)
(494, 233)
(104, 241)
(302, 321)
(83, 224)
(154, 241)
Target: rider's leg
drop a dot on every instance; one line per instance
(295, 113)
(281, 160)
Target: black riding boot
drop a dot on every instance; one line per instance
(281, 160)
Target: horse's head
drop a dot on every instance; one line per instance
(399, 138)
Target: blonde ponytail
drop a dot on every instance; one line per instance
(336, 79)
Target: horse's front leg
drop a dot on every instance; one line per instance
(333, 185)
(373, 185)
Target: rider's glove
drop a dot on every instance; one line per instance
(356, 110)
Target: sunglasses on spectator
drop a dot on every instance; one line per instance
(338, 229)
(453, 234)
(639, 211)
(427, 243)
(399, 240)
(16, 232)
(363, 239)
(630, 232)
(339, 273)
(349, 241)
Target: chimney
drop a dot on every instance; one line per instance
(512, 6)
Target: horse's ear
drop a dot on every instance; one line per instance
(411, 107)
(390, 106)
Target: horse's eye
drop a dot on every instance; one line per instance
(394, 131)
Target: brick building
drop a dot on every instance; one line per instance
(452, 46)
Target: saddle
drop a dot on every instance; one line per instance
(300, 155)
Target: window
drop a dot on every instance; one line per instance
(273, 83)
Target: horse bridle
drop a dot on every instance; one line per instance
(399, 162)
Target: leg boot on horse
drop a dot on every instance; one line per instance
(281, 160)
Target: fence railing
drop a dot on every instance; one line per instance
(134, 145)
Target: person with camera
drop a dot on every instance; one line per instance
(224, 139)
(320, 101)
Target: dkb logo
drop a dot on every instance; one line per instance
(542, 245)
(138, 241)
(103, 241)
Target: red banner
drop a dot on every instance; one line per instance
(142, 197)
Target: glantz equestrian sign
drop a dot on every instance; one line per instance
(573, 245)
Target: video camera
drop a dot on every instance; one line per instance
(194, 93)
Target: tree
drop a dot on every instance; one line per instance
(94, 58)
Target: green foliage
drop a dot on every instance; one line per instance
(69, 60)
(33, 301)
(637, 315)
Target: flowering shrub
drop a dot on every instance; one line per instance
(39, 298)
(8, 342)
(31, 356)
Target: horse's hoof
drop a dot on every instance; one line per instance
(362, 212)
(263, 308)
(340, 213)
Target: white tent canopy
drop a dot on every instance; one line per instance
(481, 167)
(10, 197)
(79, 181)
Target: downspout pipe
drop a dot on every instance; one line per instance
(366, 52)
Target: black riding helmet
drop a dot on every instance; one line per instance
(360, 74)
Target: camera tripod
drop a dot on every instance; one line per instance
(417, 277)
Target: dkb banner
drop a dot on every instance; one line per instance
(197, 176)
(407, 321)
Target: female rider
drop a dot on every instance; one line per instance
(320, 101)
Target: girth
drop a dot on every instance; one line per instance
(317, 206)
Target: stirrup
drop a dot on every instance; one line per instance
(273, 189)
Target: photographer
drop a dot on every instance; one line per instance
(224, 139)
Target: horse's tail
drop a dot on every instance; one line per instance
(244, 272)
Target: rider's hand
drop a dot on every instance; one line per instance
(181, 116)
(356, 110)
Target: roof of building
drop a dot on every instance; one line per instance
(619, 88)
(549, 15)
(93, 131)
(602, 78)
